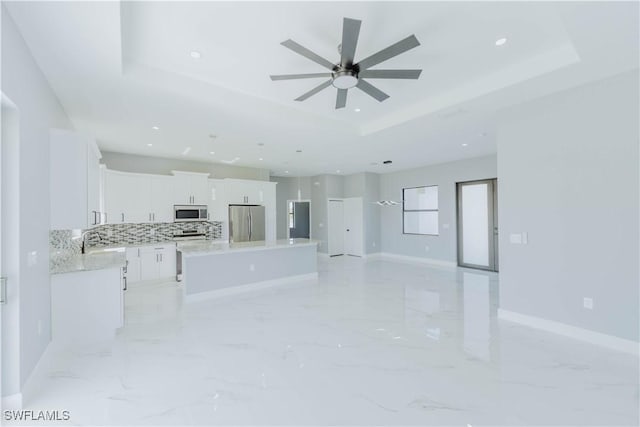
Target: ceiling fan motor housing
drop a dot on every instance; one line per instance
(344, 78)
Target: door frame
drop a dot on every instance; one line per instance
(287, 216)
(492, 227)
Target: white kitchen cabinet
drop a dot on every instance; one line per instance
(133, 265)
(74, 180)
(190, 188)
(138, 198)
(94, 207)
(162, 198)
(217, 201)
(151, 262)
(86, 306)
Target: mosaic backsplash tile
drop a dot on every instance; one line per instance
(133, 234)
(68, 243)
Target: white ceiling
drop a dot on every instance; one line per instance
(121, 68)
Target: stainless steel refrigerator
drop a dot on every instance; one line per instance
(246, 223)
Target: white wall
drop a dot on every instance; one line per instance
(568, 176)
(39, 110)
(162, 166)
(445, 175)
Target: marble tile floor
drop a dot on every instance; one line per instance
(371, 343)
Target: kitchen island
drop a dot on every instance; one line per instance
(211, 269)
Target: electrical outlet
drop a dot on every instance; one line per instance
(588, 303)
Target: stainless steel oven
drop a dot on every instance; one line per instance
(185, 213)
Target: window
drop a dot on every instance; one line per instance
(420, 210)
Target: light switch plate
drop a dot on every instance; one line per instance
(588, 303)
(515, 238)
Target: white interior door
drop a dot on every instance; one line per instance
(9, 254)
(335, 233)
(353, 225)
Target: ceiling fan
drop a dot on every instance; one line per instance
(347, 74)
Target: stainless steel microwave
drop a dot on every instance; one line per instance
(185, 213)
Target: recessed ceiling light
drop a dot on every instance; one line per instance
(501, 41)
(465, 144)
(286, 171)
(195, 54)
(155, 128)
(357, 110)
(149, 145)
(212, 152)
(260, 159)
(186, 151)
(338, 171)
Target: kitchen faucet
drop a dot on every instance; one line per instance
(83, 236)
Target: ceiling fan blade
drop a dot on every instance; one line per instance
(299, 49)
(341, 99)
(299, 76)
(371, 90)
(389, 52)
(350, 32)
(314, 91)
(390, 74)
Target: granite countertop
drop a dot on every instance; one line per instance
(217, 247)
(98, 260)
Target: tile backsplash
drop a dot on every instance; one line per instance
(67, 243)
(134, 234)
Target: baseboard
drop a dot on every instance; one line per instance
(32, 385)
(603, 340)
(412, 259)
(235, 290)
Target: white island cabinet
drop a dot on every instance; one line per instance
(86, 306)
(211, 269)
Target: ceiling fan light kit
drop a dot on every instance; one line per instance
(348, 74)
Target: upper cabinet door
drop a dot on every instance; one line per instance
(94, 209)
(190, 188)
(68, 180)
(217, 203)
(199, 189)
(127, 197)
(162, 198)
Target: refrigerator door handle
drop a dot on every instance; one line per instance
(250, 225)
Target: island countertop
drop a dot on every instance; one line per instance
(194, 248)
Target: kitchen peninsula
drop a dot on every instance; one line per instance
(218, 268)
